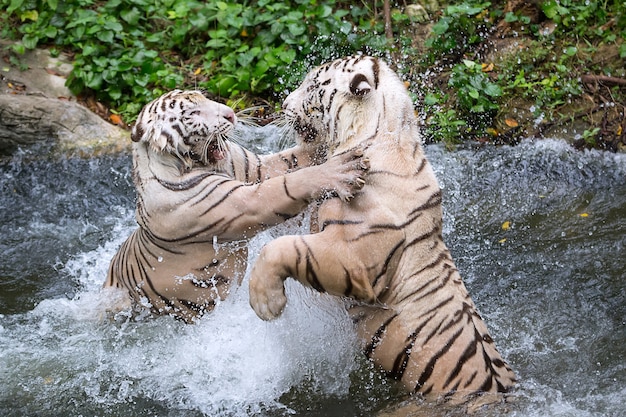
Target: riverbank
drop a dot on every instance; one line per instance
(36, 106)
(495, 73)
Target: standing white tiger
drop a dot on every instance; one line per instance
(385, 247)
(200, 196)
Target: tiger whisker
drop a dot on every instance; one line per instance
(287, 131)
(255, 115)
(205, 149)
(235, 136)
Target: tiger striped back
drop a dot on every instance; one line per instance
(385, 248)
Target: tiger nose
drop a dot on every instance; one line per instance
(229, 115)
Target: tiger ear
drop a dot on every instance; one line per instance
(154, 137)
(359, 86)
(137, 133)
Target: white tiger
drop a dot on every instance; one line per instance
(385, 247)
(200, 196)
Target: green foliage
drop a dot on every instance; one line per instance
(475, 91)
(544, 71)
(546, 82)
(460, 27)
(130, 51)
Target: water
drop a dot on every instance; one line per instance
(551, 288)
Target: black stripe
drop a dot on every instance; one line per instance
(376, 71)
(177, 128)
(335, 222)
(413, 294)
(348, 281)
(223, 227)
(377, 337)
(365, 234)
(198, 308)
(435, 331)
(468, 353)
(331, 98)
(430, 366)
(433, 201)
(402, 359)
(203, 193)
(471, 378)
(285, 216)
(225, 197)
(259, 165)
(390, 255)
(184, 185)
(287, 189)
(393, 226)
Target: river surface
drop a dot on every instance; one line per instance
(538, 232)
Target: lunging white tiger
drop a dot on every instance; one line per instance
(385, 247)
(200, 196)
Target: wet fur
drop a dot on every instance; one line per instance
(200, 196)
(384, 249)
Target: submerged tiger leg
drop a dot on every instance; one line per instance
(312, 260)
(443, 350)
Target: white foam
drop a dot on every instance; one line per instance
(228, 361)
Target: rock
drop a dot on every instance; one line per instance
(30, 119)
(417, 12)
(36, 106)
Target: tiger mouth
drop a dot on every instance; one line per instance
(215, 153)
(209, 153)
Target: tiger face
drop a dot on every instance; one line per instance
(341, 99)
(188, 125)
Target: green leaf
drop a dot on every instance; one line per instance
(32, 15)
(287, 56)
(18, 48)
(469, 64)
(113, 25)
(260, 68)
(431, 99)
(93, 81)
(510, 17)
(131, 16)
(493, 90)
(50, 32)
(570, 51)
(466, 9)
(114, 92)
(30, 41)
(296, 29)
(441, 27)
(105, 36)
(89, 49)
(15, 4)
(550, 9)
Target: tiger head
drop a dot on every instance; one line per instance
(347, 101)
(187, 125)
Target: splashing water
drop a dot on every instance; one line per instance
(550, 286)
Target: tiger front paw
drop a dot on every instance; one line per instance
(267, 301)
(351, 168)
